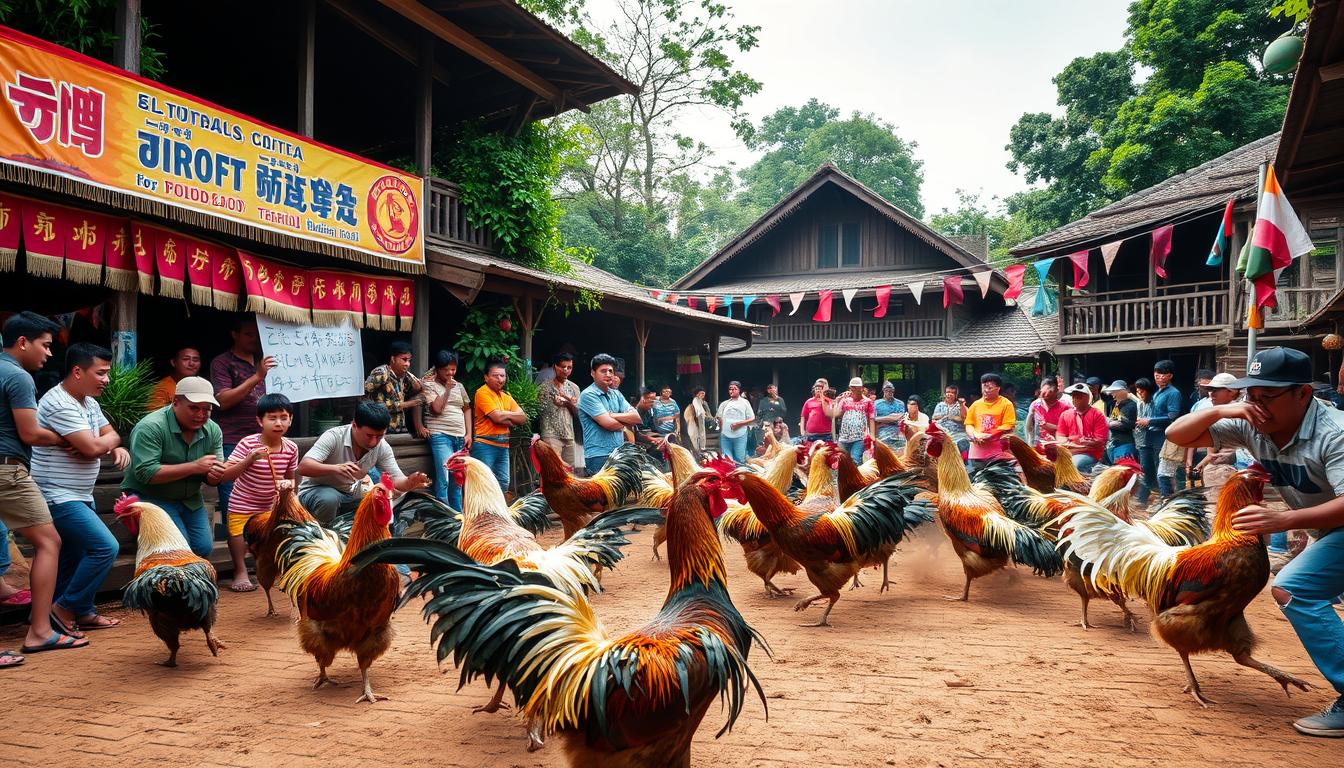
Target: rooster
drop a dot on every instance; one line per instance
(1197, 594)
(342, 608)
(443, 523)
(617, 702)
(173, 586)
(658, 488)
(764, 557)
(576, 500)
(1044, 475)
(264, 532)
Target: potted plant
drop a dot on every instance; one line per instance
(125, 399)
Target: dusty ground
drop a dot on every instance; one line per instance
(905, 678)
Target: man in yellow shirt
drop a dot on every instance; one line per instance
(987, 421)
(494, 412)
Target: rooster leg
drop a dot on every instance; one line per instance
(773, 591)
(822, 622)
(534, 739)
(171, 661)
(856, 583)
(1131, 622)
(965, 593)
(1084, 624)
(1280, 677)
(322, 679)
(368, 694)
(213, 643)
(1192, 685)
(801, 604)
(496, 702)
(886, 582)
(270, 606)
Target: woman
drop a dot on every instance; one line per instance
(735, 418)
(695, 416)
(447, 421)
(186, 362)
(914, 413)
(1144, 388)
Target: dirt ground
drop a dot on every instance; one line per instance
(904, 678)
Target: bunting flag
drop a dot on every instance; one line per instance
(356, 303)
(11, 232)
(329, 292)
(1277, 240)
(389, 299)
(1224, 238)
(773, 301)
(1045, 303)
(849, 294)
(1108, 253)
(405, 303)
(728, 304)
(657, 295)
(169, 264)
(226, 279)
(916, 290)
(688, 364)
(693, 302)
(1014, 275)
(672, 298)
(746, 305)
(883, 298)
(118, 260)
(796, 300)
(85, 246)
(1079, 259)
(142, 249)
(1161, 248)
(823, 313)
(43, 228)
(952, 291)
(982, 279)
(200, 272)
(711, 303)
(252, 276)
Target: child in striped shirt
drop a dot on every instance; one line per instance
(259, 467)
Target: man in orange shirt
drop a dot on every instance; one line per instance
(987, 421)
(495, 412)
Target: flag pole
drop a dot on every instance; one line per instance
(1253, 333)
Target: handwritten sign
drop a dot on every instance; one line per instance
(312, 362)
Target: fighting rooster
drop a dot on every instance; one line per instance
(1198, 594)
(764, 557)
(576, 500)
(443, 523)
(617, 702)
(340, 607)
(264, 532)
(1044, 475)
(173, 586)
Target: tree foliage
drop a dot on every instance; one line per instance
(81, 25)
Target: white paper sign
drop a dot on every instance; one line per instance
(312, 362)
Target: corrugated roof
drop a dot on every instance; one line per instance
(1204, 188)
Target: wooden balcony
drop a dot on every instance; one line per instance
(866, 330)
(1295, 305)
(447, 219)
(1182, 308)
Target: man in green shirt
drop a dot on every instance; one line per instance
(174, 450)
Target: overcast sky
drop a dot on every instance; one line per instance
(951, 76)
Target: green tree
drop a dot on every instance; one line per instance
(81, 25)
(1004, 222)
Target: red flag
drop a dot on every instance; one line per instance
(200, 270)
(405, 289)
(226, 279)
(11, 229)
(169, 262)
(883, 296)
(1161, 248)
(952, 291)
(693, 302)
(773, 301)
(823, 313)
(672, 298)
(1014, 275)
(142, 248)
(45, 230)
(356, 303)
(118, 258)
(86, 240)
(253, 273)
(1079, 259)
(711, 303)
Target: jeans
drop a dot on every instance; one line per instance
(326, 503)
(4, 550)
(494, 457)
(593, 464)
(225, 491)
(88, 550)
(1278, 542)
(1148, 460)
(734, 448)
(193, 523)
(854, 449)
(441, 446)
(812, 437)
(1312, 580)
(1118, 452)
(1084, 462)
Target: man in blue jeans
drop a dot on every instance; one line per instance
(1166, 407)
(603, 414)
(1300, 442)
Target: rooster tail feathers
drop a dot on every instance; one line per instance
(1018, 500)
(442, 522)
(188, 591)
(1181, 519)
(621, 477)
(1116, 554)
(532, 512)
(598, 543)
(1033, 549)
(739, 523)
(875, 516)
(306, 548)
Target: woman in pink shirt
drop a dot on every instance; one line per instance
(815, 423)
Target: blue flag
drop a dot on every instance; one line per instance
(1046, 303)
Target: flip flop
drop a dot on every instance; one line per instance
(98, 622)
(57, 642)
(22, 597)
(65, 629)
(10, 659)
(249, 588)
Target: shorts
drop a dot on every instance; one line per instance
(21, 503)
(237, 520)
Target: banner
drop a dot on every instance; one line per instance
(11, 229)
(72, 116)
(311, 362)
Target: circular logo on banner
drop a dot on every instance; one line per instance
(393, 214)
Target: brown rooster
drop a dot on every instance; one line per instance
(264, 532)
(577, 500)
(1044, 475)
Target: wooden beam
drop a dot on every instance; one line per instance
(714, 370)
(420, 325)
(424, 105)
(307, 67)
(390, 40)
(521, 115)
(1332, 72)
(642, 338)
(125, 320)
(126, 48)
(454, 35)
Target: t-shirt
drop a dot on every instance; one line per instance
(854, 415)
(556, 421)
(254, 491)
(335, 447)
(1125, 412)
(987, 417)
(889, 432)
(390, 391)
(660, 410)
(488, 401)
(1045, 413)
(918, 422)
(950, 420)
(162, 394)
(60, 476)
(770, 408)
(815, 420)
(226, 372)
(598, 441)
(732, 411)
(17, 391)
(157, 440)
(1165, 408)
(1088, 425)
(452, 421)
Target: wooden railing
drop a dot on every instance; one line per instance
(868, 330)
(447, 218)
(1296, 304)
(1176, 308)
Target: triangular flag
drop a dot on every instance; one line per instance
(728, 304)
(823, 313)
(916, 289)
(1045, 303)
(849, 294)
(693, 302)
(672, 298)
(952, 291)
(1279, 238)
(746, 304)
(796, 299)
(773, 301)
(1079, 259)
(657, 295)
(1161, 249)
(1223, 239)
(1108, 253)
(1014, 274)
(711, 303)
(982, 279)
(883, 297)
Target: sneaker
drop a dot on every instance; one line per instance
(1279, 559)
(1329, 723)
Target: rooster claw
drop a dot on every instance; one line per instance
(1203, 700)
(822, 623)
(370, 697)
(490, 708)
(324, 680)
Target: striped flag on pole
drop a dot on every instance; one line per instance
(1278, 238)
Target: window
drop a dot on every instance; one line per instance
(849, 246)
(837, 246)
(1322, 260)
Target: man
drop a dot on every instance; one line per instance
(66, 476)
(987, 421)
(815, 421)
(888, 413)
(735, 415)
(393, 386)
(1215, 466)
(1044, 412)
(1203, 377)
(27, 345)
(174, 450)
(1166, 407)
(1300, 442)
(186, 361)
(335, 468)
(1120, 422)
(239, 379)
(448, 421)
(770, 407)
(558, 404)
(1082, 429)
(950, 415)
(856, 415)
(495, 412)
(1099, 399)
(603, 414)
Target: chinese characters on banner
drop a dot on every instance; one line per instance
(312, 362)
(65, 114)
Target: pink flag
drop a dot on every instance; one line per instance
(823, 314)
(693, 302)
(1161, 248)
(773, 301)
(982, 279)
(1014, 274)
(952, 291)
(711, 303)
(1079, 259)
(883, 297)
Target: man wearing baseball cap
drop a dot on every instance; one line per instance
(174, 450)
(1300, 442)
(1082, 429)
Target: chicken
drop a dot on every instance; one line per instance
(851, 478)
(617, 702)
(172, 585)
(984, 537)
(341, 608)
(1197, 594)
(1043, 475)
(443, 523)
(576, 500)
(764, 557)
(832, 542)
(263, 534)
(658, 488)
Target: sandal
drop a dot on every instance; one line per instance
(10, 659)
(96, 621)
(21, 597)
(239, 588)
(57, 642)
(58, 624)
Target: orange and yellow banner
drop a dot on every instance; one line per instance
(69, 115)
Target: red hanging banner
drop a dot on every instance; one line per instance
(405, 303)
(286, 294)
(1079, 259)
(883, 298)
(773, 301)
(693, 302)
(388, 302)
(200, 272)
(330, 294)
(253, 273)
(142, 249)
(357, 316)
(1014, 275)
(11, 229)
(118, 260)
(1161, 248)
(226, 279)
(45, 229)
(169, 262)
(86, 241)
(952, 291)
(823, 313)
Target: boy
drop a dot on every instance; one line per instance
(254, 466)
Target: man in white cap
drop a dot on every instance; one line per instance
(856, 416)
(173, 451)
(1120, 421)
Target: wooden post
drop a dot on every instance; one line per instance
(126, 54)
(420, 325)
(424, 106)
(714, 370)
(944, 373)
(527, 318)
(642, 338)
(1065, 369)
(307, 67)
(774, 373)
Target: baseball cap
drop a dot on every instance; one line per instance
(1275, 367)
(1223, 381)
(856, 382)
(888, 385)
(1077, 389)
(1118, 385)
(1094, 381)
(196, 390)
(819, 383)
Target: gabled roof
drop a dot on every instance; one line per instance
(1311, 155)
(827, 175)
(1204, 188)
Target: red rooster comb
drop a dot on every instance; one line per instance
(932, 430)
(1128, 462)
(720, 465)
(124, 504)
(387, 482)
